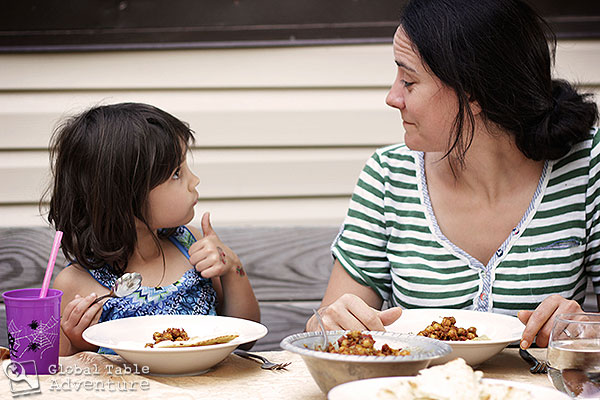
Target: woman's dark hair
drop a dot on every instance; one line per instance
(104, 162)
(496, 53)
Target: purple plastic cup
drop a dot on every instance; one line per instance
(33, 326)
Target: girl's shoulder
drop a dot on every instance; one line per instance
(73, 280)
(186, 235)
(72, 274)
(197, 233)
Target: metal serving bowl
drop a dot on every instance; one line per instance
(331, 369)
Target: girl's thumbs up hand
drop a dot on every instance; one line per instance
(210, 256)
(207, 228)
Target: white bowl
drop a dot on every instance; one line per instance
(128, 336)
(500, 329)
(331, 369)
(368, 389)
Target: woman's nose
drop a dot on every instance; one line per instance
(395, 97)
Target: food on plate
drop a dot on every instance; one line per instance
(174, 337)
(4, 353)
(447, 330)
(361, 344)
(172, 334)
(454, 380)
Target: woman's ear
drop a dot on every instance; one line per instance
(475, 107)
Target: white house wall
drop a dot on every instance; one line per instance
(282, 133)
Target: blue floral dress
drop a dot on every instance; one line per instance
(190, 295)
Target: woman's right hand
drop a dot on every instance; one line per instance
(76, 317)
(350, 312)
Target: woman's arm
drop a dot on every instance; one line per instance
(539, 322)
(349, 305)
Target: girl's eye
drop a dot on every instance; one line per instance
(406, 83)
(176, 173)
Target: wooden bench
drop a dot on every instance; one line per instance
(288, 267)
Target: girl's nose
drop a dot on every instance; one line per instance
(194, 181)
(395, 97)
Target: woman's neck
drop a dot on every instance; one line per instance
(493, 165)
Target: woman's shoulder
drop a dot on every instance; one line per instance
(395, 155)
(587, 149)
(595, 133)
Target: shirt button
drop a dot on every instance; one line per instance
(515, 231)
(499, 253)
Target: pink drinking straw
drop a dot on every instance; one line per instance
(50, 266)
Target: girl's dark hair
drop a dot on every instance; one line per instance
(495, 52)
(104, 163)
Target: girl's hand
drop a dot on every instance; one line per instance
(350, 312)
(541, 319)
(77, 316)
(210, 256)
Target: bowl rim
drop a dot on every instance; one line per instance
(440, 348)
(512, 337)
(384, 381)
(127, 347)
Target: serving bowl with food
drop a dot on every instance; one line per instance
(474, 336)
(174, 344)
(455, 380)
(353, 355)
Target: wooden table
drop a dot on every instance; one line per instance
(89, 375)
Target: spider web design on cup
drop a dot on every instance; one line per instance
(42, 337)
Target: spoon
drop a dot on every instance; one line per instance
(325, 340)
(123, 286)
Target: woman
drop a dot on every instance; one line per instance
(492, 202)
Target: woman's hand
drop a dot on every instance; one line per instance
(210, 256)
(76, 317)
(350, 312)
(539, 322)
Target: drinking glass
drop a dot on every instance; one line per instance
(33, 327)
(574, 355)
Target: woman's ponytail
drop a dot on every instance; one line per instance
(568, 120)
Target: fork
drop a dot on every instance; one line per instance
(537, 367)
(266, 364)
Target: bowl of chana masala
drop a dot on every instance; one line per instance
(473, 335)
(354, 355)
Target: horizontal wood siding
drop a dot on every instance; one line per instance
(282, 133)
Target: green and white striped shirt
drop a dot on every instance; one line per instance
(391, 241)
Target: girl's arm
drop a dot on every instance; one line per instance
(214, 260)
(76, 309)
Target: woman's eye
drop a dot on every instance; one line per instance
(406, 83)
(176, 173)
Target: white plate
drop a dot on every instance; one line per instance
(368, 389)
(500, 329)
(128, 336)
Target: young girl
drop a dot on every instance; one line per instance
(123, 194)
